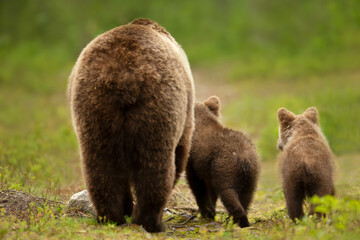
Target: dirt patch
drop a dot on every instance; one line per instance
(209, 82)
(21, 204)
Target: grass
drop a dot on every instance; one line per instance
(257, 56)
(37, 140)
(267, 215)
(336, 97)
(39, 155)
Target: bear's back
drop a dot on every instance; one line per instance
(307, 157)
(129, 60)
(131, 83)
(236, 153)
(224, 151)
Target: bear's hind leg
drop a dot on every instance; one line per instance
(182, 150)
(153, 187)
(212, 198)
(205, 199)
(230, 199)
(246, 197)
(109, 195)
(294, 196)
(208, 205)
(181, 155)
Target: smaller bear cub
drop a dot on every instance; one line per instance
(306, 163)
(222, 162)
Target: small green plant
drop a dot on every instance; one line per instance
(344, 213)
(4, 176)
(128, 219)
(310, 59)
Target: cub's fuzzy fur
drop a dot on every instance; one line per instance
(131, 98)
(306, 163)
(222, 162)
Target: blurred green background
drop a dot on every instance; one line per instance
(268, 54)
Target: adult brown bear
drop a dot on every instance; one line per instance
(131, 98)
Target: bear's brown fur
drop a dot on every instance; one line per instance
(222, 162)
(306, 163)
(131, 97)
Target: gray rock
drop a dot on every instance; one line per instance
(81, 201)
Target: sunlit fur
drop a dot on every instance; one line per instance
(131, 98)
(306, 163)
(223, 162)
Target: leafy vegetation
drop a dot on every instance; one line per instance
(267, 215)
(256, 55)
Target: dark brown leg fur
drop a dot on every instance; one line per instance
(213, 198)
(182, 150)
(150, 204)
(209, 203)
(246, 196)
(205, 197)
(247, 187)
(230, 199)
(181, 154)
(332, 190)
(294, 195)
(106, 180)
(111, 197)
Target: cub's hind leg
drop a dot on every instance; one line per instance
(205, 197)
(230, 199)
(294, 196)
(182, 150)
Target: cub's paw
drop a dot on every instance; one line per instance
(243, 222)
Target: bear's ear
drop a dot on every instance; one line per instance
(285, 117)
(312, 114)
(213, 103)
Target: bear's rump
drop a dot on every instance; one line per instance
(155, 123)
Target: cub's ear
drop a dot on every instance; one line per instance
(213, 103)
(312, 114)
(285, 117)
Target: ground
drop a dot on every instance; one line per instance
(244, 105)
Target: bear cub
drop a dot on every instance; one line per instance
(222, 162)
(306, 163)
(131, 99)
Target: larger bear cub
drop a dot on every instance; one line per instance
(222, 162)
(306, 162)
(131, 98)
